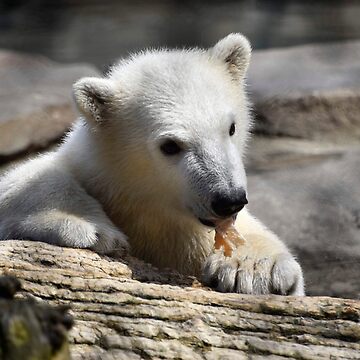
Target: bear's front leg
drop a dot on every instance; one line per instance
(263, 265)
(41, 201)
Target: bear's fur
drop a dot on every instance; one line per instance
(148, 156)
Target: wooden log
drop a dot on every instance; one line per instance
(125, 309)
(29, 329)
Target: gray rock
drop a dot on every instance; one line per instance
(35, 100)
(309, 194)
(310, 91)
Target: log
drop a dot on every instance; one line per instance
(29, 329)
(126, 309)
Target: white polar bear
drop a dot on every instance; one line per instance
(156, 155)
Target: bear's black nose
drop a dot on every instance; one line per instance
(225, 205)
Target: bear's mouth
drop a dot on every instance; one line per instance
(208, 223)
(217, 222)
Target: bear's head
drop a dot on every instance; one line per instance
(173, 126)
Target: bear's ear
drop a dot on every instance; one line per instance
(93, 97)
(235, 51)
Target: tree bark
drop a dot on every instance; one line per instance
(126, 309)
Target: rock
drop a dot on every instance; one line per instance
(119, 317)
(35, 100)
(308, 193)
(310, 91)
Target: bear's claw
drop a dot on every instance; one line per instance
(280, 274)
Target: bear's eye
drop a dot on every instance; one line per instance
(170, 147)
(232, 129)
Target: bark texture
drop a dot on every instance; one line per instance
(125, 309)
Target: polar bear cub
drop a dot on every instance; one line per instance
(155, 160)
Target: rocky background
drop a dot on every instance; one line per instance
(303, 160)
(304, 169)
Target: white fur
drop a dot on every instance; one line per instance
(110, 173)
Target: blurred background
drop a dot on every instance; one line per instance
(101, 31)
(304, 82)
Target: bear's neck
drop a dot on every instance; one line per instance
(160, 237)
(157, 234)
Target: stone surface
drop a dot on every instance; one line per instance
(310, 91)
(35, 100)
(309, 194)
(119, 317)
